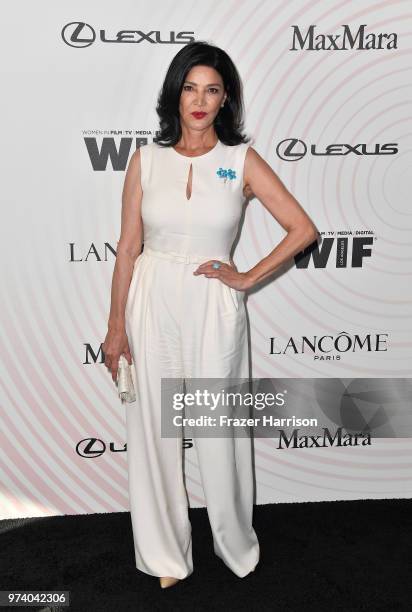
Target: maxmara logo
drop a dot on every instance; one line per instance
(327, 439)
(346, 40)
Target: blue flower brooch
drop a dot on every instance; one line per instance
(226, 173)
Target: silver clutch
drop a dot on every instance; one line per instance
(125, 386)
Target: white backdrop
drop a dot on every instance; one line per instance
(334, 123)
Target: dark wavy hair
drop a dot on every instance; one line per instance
(228, 122)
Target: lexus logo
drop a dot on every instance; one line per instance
(90, 448)
(291, 149)
(78, 34)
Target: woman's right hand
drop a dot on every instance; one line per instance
(114, 345)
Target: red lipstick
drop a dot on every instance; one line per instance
(199, 115)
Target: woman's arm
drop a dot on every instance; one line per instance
(263, 182)
(129, 247)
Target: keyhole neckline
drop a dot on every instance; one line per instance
(196, 156)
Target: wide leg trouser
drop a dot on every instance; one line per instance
(182, 326)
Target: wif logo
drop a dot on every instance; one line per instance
(349, 252)
(111, 151)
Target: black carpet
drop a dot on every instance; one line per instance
(344, 555)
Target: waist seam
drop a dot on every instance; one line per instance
(185, 258)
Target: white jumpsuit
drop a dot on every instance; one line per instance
(183, 326)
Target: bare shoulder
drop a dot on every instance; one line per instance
(261, 180)
(134, 167)
(133, 172)
(146, 148)
(136, 156)
(253, 162)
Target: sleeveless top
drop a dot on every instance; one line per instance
(207, 223)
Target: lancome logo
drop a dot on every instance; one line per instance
(344, 41)
(320, 346)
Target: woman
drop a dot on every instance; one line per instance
(177, 306)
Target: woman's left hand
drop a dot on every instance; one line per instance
(227, 273)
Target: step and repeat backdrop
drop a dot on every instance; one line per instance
(327, 91)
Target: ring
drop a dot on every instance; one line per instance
(216, 265)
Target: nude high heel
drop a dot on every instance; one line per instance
(168, 581)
